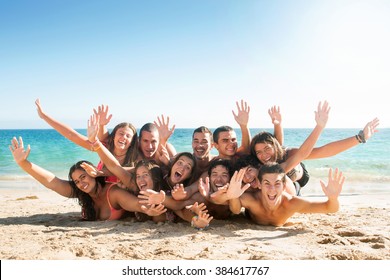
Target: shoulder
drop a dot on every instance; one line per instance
(114, 189)
(250, 197)
(289, 151)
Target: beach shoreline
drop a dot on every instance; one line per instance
(38, 224)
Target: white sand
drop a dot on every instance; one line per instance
(41, 225)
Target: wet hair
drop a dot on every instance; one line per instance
(132, 151)
(271, 168)
(203, 129)
(247, 160)
(191, 178)
(223, 162)
(84, 199)
(267, 138)
(155, 172)
(149, 127)
(220, 129)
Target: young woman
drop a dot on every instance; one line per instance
(148, 176)
(266, 148)
(122, 142)
(99, 200)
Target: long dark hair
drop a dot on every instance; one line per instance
(155, 171)
(84, 199)
(267, 138)
(132, 151)
(191, 178)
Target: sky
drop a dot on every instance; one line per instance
(192, 60)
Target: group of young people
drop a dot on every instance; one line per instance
(144, 176)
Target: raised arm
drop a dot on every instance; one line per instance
(339, 146)
(104, 119)
(276, 117)
(165, 133)
(242, 118)
(63, 129)
(295, 157)
(121, 198)
(332, 190)
(105, 155)
(234, 189)
(43, 176)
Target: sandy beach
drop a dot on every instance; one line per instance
(41, 225)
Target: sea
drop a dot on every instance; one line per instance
(365, 166)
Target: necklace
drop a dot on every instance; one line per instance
(118, 156)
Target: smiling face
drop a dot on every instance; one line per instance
(227, 144)
(201, 144)
(143, 178)
(219, 177)
(83, 181)
(272, 187)
(149, 143)
(265, 152)
(181, 170)
(122, 138)
(250, 177)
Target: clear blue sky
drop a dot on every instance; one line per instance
(192, 60)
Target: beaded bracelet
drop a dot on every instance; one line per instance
(360, 137)
(93, 148)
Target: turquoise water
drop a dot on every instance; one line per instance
(365, 166)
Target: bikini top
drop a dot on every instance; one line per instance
(115, 213)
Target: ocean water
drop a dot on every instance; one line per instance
(366, 166)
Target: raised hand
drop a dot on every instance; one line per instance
(178, 192)
(335, 184)
(163, 128)
(154, 210)
(18, 151)
(151, 197)
(90, 169)
(93, 128)
(41, 114)
(370, 128)
(204, 187)
(236, 189)
(276, 116)
(242, 116)
(102, 114)
(322, 114)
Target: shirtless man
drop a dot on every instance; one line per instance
(202, 143)
(219, 175)
(225, 138)
(272, 205)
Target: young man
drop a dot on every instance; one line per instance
(214, 186)
(202, 143)
(225, 138)
(272, 205)
(149, 143)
